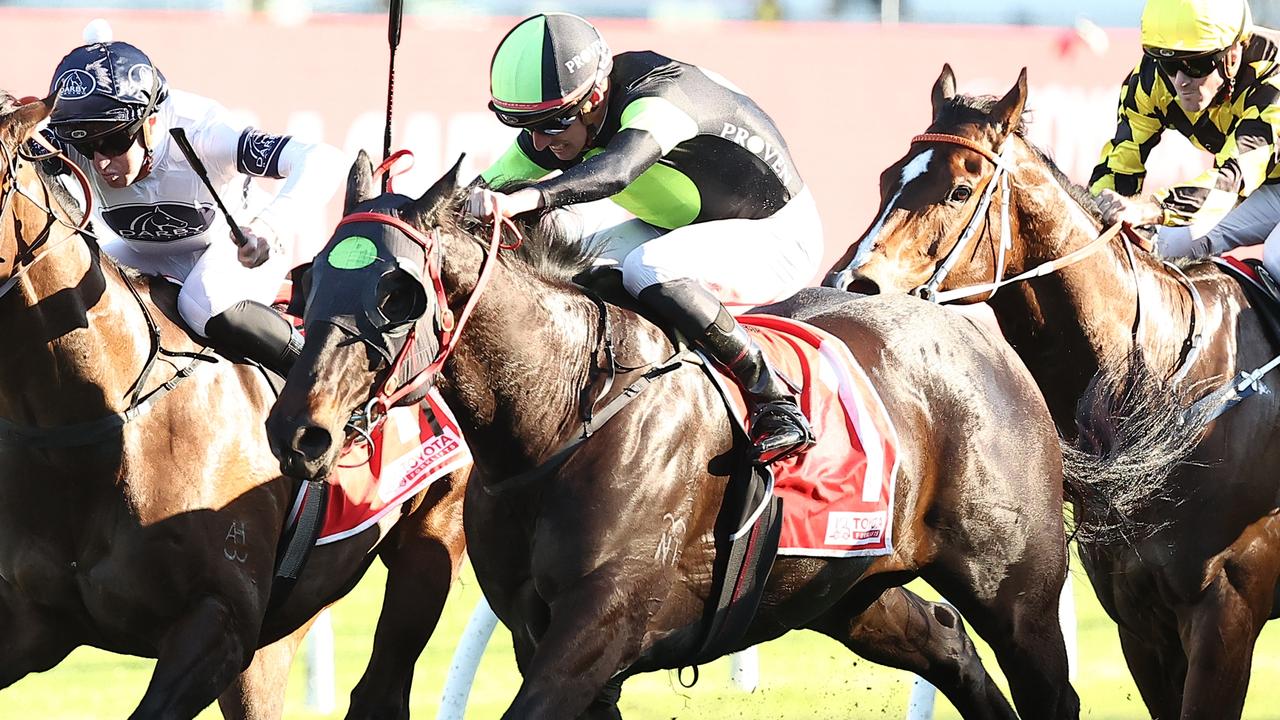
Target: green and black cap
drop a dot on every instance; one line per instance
(546, 68)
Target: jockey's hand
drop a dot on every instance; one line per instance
(483, 203)
(261, 242)
(1135, 211)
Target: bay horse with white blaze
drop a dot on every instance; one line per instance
(569, 556)
(140, 506)
(1190, 576)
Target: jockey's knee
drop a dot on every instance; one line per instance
(252, 330)
(195, 310)
(1271, 253)
(1182, 242)
(637, 274)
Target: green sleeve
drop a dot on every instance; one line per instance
(513, 165)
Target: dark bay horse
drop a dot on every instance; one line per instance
(1190, 597)
(601, 565)
(156, 534)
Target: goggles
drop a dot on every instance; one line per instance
(547, 122)
(1196, 66)
(112, 143)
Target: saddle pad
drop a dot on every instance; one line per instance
(413, 447)
(837, 497)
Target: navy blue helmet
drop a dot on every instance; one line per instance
(103, 89)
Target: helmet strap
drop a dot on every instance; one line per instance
(148, 157)
(603, 107)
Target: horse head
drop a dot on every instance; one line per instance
(18, 177)
(377, 316)
(949, 209)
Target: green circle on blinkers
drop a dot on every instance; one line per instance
(353, 253)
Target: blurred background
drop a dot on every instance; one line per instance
(1117, 13)
(848, 82)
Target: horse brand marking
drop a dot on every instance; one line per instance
(668, 550)
(236, 536)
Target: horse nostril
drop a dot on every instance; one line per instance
(314, 442)
(863, 285)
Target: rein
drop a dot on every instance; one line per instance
(29, 257)
(592, 418)
(93, 431)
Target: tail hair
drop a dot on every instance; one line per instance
(1135, 430)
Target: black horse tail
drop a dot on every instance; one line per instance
(1135, 430)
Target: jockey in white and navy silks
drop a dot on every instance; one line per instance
(722, 215)
(113, 114)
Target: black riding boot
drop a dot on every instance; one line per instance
(778, 428)
(254, 331)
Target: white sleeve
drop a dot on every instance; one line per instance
(312, 173)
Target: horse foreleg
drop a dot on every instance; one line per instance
(1219, 633)
(422, 559)
(258, 692)
(591, 629)
(1012, 603)
(1159, 669)
(904, 631)
(32, 641)
(198, 658)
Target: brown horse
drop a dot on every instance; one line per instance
(569, 558)
(1191, 591)
(147, 523)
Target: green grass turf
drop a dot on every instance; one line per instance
(804, 675)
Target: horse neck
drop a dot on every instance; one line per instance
(515, 377)
(70, 329)
(1064, 325)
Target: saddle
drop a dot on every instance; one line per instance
(1261, 289)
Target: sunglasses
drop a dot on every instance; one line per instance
(555, 126)
(1194, 67)
(112, 144)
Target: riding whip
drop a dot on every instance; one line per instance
(396, 13)
(180, 137)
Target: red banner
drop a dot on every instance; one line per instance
(847, 97)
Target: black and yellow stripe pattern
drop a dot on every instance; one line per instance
(1242, 134)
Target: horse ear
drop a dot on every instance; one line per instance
(437, 195)
(360, 187)
(944, 88)
(1008, 112)
(17, 126)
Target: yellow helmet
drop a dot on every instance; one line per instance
(1189, 27)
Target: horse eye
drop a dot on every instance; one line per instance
(399, 298)
(960, 193)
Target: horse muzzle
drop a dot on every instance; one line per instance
(852, 281)
(305, 449)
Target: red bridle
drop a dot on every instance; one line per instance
(450, 330)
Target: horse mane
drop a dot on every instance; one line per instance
(8, 103)
(548, 249)
(976, 109)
